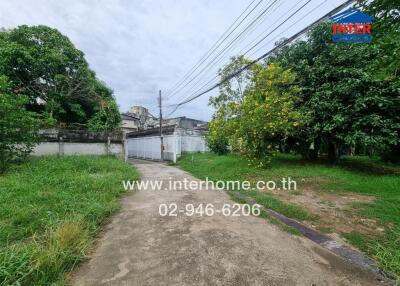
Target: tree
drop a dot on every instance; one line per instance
(349, 104)
(347, 94)
(107, 118)
(232, 90)
(268, 115)
(255, 122)
(231, 94)
(18, 127)
(43, 64)
(386, 41)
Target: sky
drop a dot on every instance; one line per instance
(139, 47)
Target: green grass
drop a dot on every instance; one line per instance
(51, 209)
(360, 175)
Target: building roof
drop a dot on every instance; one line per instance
(167, 130)
(129, 117)
(180, 118)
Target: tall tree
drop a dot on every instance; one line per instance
(349, 104)
(43, 64)
(386, 67)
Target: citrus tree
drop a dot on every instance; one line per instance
(268, 115)
(256, 123)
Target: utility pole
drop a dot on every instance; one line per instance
(161, 135)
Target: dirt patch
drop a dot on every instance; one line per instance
(336, 212)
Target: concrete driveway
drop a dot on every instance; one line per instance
(140, 247)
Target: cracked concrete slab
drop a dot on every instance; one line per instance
(140, 247)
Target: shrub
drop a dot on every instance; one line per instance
(218, 145)
(107, 118)
(18, 127)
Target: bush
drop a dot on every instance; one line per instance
(18, 127)
(218, 145)
(107, 118)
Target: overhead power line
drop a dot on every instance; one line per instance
(293, 24)
(243, 51)
(225, 51)
(218, 43)
(284, 43)
(215, 76)
(225, 48)
(291, 15)
(277, 27)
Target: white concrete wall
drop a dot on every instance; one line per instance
(46, 148)
(194, 144)
(67, 148)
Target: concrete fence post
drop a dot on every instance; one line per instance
(124, 154)
(108, 145)
(61, 146)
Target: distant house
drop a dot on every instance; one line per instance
(184, 122)
(169, 130)
(129, 122)
(138, 118)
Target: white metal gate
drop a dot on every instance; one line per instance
(150, 147)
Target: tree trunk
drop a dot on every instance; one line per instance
(313, 154)
(332, 152)
(352, 150)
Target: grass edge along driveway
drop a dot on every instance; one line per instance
(51, 209)
(359, 175)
